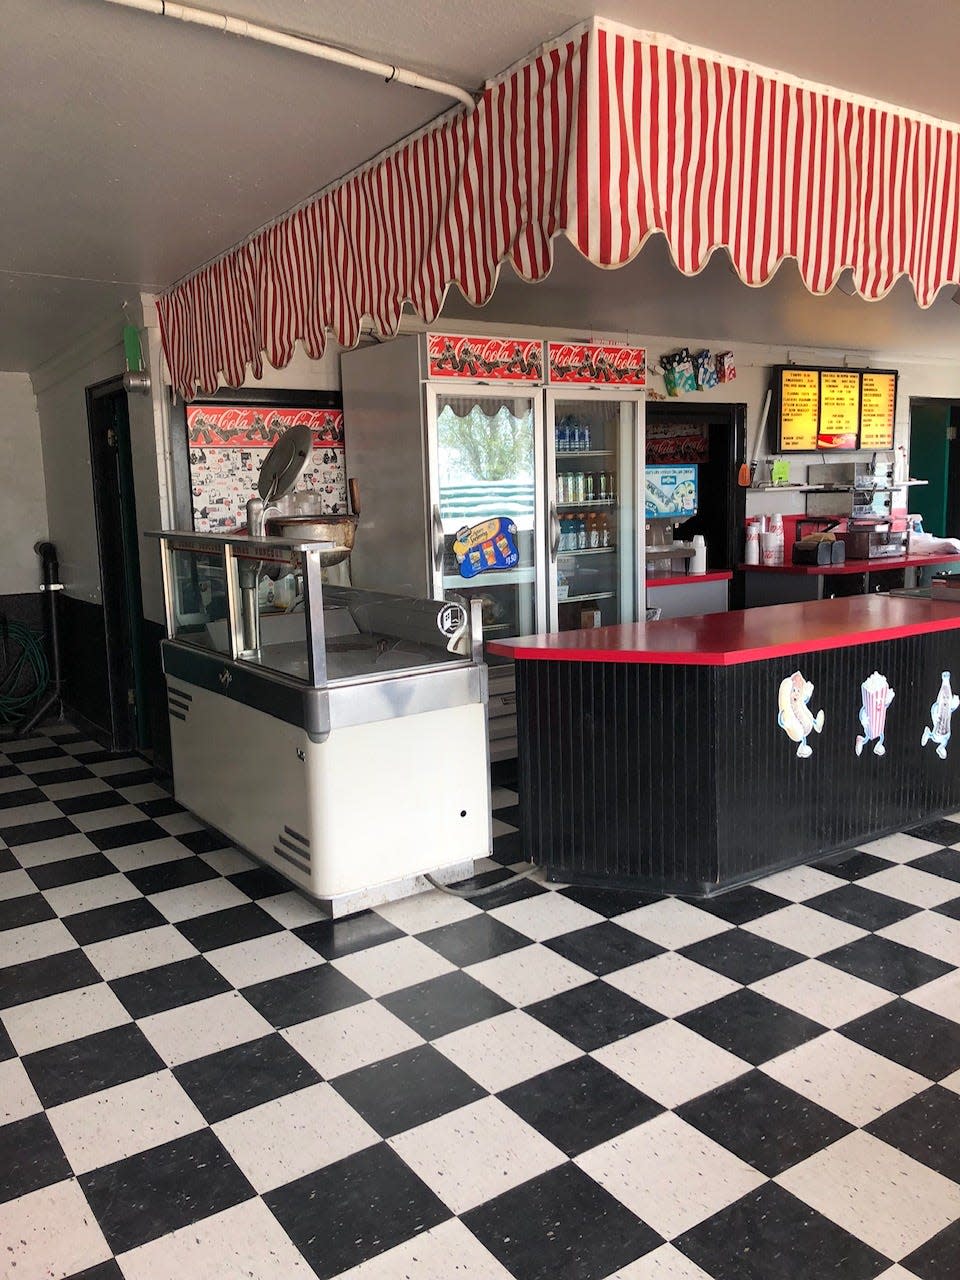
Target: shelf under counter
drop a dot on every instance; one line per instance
(877, 565)
(688, 579)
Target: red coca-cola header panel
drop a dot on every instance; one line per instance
(451, 355)
(587, 364)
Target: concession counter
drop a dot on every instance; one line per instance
(338, 735)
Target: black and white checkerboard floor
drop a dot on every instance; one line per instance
(200, 1077)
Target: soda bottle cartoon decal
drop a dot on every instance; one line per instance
(795, 717)
(876, 696)
(941, 713)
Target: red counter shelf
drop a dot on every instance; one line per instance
(689, 579)
(879, 564)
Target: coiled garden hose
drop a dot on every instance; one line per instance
(25, 670)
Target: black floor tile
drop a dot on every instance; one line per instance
(739, 906)
(54, 875)
(603, 948)
(609, 902)
(333, 939)
(441, 1005)
(296, 997)
(515, 889)
(96, 755)
(168, 986)
(102, 1271)
(126, 833)
(742, 956)
(939, 1258)
(763, 1122)
(854, 866)
(114, 921)
(9, 771)
(93, 802)
(73, 773)
(510, 847)
(25, 795)
(771, 1235)
(951, 909)
(922, 1041)
(236, 1079)
(561, 1226)
(31, 832)
(171, 875)
(941, 862)
(407, 1090)
(485, 880)
(160, 1190)
(205, 841)
(510, 813)
(30, 1157)
(29, 908)
(132, 778)
(477, 938)
(751, 1026)
(926, 1128)
(864, 908)
(939, 831)
(7, 1050)
(22, 758)
(579, 1105)
(67, 1071)
(162, 807)
(7, 861)
(593, 1015)
(886, 964)
(223, 928)
(370, 1202)
(48, 976)
(259, 882)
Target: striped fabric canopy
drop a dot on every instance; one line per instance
(606, 136)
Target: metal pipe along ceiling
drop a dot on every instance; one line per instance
(299, 44)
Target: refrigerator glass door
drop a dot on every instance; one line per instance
(486, 492)
(593, 446)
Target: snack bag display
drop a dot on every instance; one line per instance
(726, 369)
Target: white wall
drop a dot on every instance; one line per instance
(23, 504)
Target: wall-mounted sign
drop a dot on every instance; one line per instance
(833, 409)
(485, 547)
(451, 355)
(670, 491)
(586, 363)
(676, 442)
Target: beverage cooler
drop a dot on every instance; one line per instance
(482, 481)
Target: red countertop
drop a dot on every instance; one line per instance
(876, 565)
(743, 635)
(689, 579)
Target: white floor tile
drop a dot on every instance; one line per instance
(261, 959)
(243, 1242)
(198, 899)
(927, 931)
(133, 857)
(448, 1252)
(80, 787)
(37, 811)
(39, 1024)
(284, 1139)
(673, 923)
(104, 891)
(670, 1063)
(14, 884)
(909, 884)
(392, 966)
(134, 952)
(899, 848)
(546, 915)
(819, 991)
(101, 819)
(940, 996)
(115, 1123)
(952, 1082)
(206, 1026)
(33, 941)
(805, 930)
(19, 782)
(500, 828)
(141, 792)
(427, 911)
(669, 1174)
(228, 862)
(475, 1153)
(503, 797)
(50, 1233)
(120, 764)
(351, 1038)
(529, 974)
(876, 1193)
(178, 823)
(800, 883)
(50, 766)
(853, 1082)
(292, 909)
(500, 1052)
(671, 984)
(665, 1263)
(42, 852)
(17, 1095)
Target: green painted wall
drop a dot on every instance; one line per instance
(929, 448)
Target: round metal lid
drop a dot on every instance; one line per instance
(285, 463)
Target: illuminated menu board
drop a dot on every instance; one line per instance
(834, 409)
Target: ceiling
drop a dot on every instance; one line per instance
(133, 149)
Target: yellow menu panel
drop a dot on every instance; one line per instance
(799, 409)
(839, 409)
(878, 399)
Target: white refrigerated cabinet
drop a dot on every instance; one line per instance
(348, 749)
(400, 430)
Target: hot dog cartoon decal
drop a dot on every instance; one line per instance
(795, 717)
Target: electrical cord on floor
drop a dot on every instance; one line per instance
(479, 893)
(29, 665)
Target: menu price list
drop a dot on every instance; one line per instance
(799, 409)
(839, 410)
(830, 409)
(877, 406)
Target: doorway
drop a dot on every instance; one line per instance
(935, 458)
(111, 463)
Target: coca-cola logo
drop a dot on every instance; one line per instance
(214, 425)
(480, 357)
(587, 362)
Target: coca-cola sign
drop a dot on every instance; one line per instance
(452, 355)
(586, 363)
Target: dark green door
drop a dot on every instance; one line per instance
(929, 456)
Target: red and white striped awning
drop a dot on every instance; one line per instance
(606, 136)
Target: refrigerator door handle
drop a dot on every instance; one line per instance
(437, 539)
(554, 531)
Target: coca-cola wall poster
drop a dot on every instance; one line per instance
(483, 359)
(587, 363)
